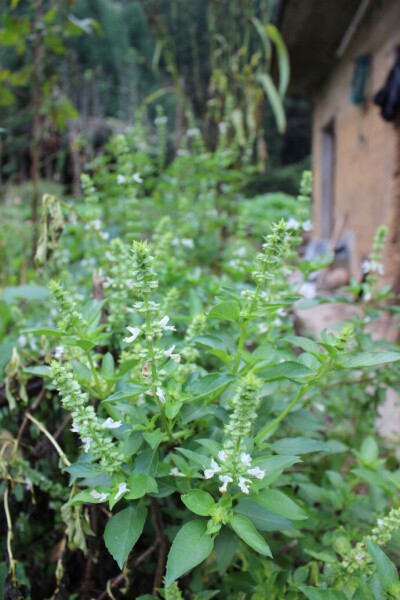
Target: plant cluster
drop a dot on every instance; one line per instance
(217, 450)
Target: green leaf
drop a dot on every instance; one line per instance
(299, 445)
(368, 359)
(153, 438)
(386, 571)
(226, 545)
(317, 594)
(39, 371)
(262, 519)
(123, 531)
(79, 470)
(199, 502)
(209, 385)
(245, 529)
(225, 311)
(283, 58)
(190, 547)
(277, 502)
(12, 294)
(50, 332)
(140, 484)
(130, 390)
(286, 370)
(107, 366)
(303, 343)
(210, 341)
(274, 99)
(7, 97)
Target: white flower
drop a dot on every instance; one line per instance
(121, 179)
(214, 468)
(22, 341)
(192, 132)
(75, 428)
(135, 331)
(380, 521)
(111, 424)
(160, 394)
(241, 251)
(187, 243)
(360, 556)
(87, 441)
(222, 127)
(59, 352)
(245, 459)
(122, 489)
(175, 357)
(102, 496)
(176, 473)
(243, 481)
(104, 235)
(163, 324)
(225, 480)
(256, 472)
(292, 223)
(370, 266)
(307, 226)
(222, 455)
(160, 120)
(136, 178)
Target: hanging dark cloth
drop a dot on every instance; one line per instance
(388, 98)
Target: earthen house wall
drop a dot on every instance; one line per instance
(366, 182)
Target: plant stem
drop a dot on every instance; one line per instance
(43, 429)
(240, 347)
(9, 534)
(99, 389)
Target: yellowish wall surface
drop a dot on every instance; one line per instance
(367, 175)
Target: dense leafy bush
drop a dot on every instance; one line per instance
(219, 452)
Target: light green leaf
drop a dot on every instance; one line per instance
(286, 370)
(190, 547)
(107, 366)
(39, 371)
(245, 529)
(199, 502)
(317, 594)
(130, 390)
(274, 99)
(123, 531)
(283, 58)
(385, 569)
(225, 311)
(262, 519)
(50, 332)
(303, 343)
(299, 445)
(277, 502)
(368, 359)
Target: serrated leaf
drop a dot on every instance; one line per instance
(123, 531)
(199, 502)
(245, 529)
(225, 311)
(190, 547)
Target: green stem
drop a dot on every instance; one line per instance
(302, 391)
(154, 374)
(95, 375)
(240, 347)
